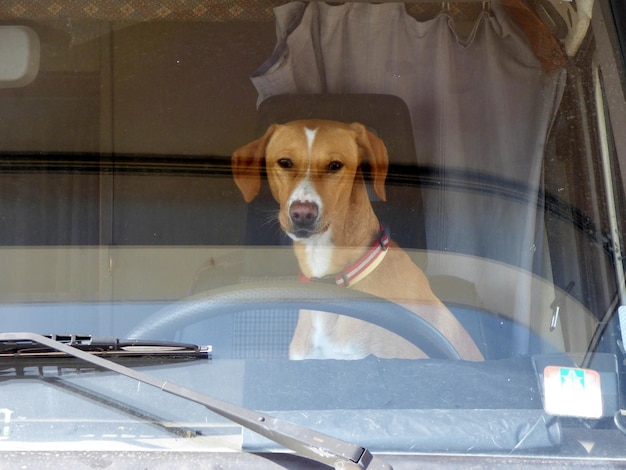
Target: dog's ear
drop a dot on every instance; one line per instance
(375, 151)
(246, 164)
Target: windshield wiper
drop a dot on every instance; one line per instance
(304, 441)
(108, 347)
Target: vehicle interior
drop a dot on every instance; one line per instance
(505, 186)
(118, 87)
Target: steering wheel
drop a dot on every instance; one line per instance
(255, 296)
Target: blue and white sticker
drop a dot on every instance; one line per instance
(570, 391)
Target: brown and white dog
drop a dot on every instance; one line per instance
(314, 172)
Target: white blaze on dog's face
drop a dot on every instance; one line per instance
(311, 171)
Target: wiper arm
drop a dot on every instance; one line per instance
(109, 347)
(304, 441)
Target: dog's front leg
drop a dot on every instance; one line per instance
(300, 346)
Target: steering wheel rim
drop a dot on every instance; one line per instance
(255, 296)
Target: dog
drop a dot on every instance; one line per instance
(314, 172)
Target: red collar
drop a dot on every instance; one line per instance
(359, 270)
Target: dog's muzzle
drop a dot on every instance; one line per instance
(304, 216)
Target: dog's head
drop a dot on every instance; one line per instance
(314, 171)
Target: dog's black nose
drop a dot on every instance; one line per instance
(303, 214)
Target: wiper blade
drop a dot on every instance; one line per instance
(109, 347)
(304, 441)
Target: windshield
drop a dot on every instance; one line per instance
(396, 224)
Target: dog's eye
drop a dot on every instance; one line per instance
(285, 163)
(335, 166)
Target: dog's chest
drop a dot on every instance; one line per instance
(319, 253)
